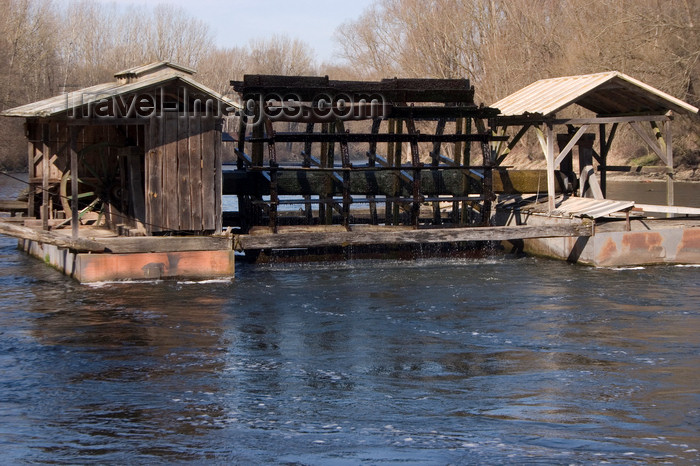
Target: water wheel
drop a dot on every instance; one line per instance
(98, 186)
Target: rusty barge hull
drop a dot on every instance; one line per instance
(149, 258)
(648, 242)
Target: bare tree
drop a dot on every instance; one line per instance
(219, 66)
(503, 45)
(174, 36)
(280, 55)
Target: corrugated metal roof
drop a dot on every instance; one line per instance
(581, 207)
(605, 94)
(62, 103)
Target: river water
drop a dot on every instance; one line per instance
(436, 361)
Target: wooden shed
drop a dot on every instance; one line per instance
(146, 148)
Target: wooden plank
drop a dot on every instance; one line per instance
(195, 145)
(183, 172)
(12, 206)
(170, 172)
(154, 175)
(404, 236)
(208, 172)
(667, 209)
(22, 232)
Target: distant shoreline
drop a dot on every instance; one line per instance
(682, 175)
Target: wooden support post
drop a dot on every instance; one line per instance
(242, 129)
(603, 160)
(550, 168)
(372, 162)
(323, 157)
(31, 166)
(306, 163)
(330, 161)
(388, 207)
(415, 163)
(397, 163)
(456, 217)
(488, 161)
(45, 158)
(274, 197)
(435, 162)
(669, 164)
(466, 161)
(257, 151)
(604, 151)
(345, 160)
(218, 178)
(74, 177)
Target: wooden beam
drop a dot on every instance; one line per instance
(13, 207)
(520, 120)
(397, 137)
(650, 142)
(390, 235)
(21, 232)
(511, 144)
(542, 140)
(572, 142)
(144, 244)
(31, 167)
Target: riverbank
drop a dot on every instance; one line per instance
(686, 175)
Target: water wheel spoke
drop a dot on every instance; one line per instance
(89, 208)
(92, 171)
(96, 186)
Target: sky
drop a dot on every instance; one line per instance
(236, 22)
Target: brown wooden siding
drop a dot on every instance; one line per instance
(183, 173)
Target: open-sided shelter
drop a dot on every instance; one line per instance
(613, 98)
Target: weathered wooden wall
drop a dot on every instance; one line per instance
(183, 173)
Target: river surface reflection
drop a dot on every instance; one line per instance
(426, 362)
(436, 361)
